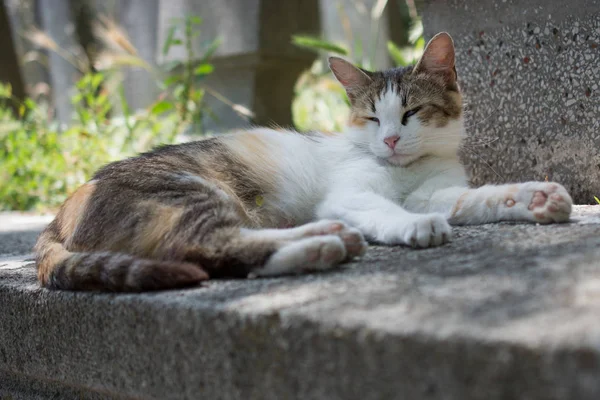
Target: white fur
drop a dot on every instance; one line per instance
(310, 254)
(402, 196)
(313, 246)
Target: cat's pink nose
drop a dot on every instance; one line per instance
(391, 141)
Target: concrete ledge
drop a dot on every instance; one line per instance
(505, 311)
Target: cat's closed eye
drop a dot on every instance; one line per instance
(409, 114)
(373, 119)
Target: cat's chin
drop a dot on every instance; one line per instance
(402, 160)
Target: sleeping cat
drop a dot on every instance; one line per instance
(264, 202)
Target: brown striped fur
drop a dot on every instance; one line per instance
(164, 219)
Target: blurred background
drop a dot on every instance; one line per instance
(85, 82)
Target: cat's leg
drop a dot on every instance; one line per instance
(382, 220)
(314, 246)
(542, 202)
(353, 240)
(212, 235)
(241, 252)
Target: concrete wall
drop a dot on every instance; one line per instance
(529, 70)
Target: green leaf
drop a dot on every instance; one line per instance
(171, 80)
(197, 95)
(30, 104)
(96, 80)
(5, 91)
(211, 49)
(195, 20)
(204, 69)
(415, 32)
(179, 90)
(317, 44)
(597, 199)
(161, 107)
(396, 54)
(169, 40)
(420, 43)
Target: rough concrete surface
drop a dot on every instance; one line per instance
(529, 70)
(505, 311)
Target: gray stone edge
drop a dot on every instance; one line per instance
(226, 354)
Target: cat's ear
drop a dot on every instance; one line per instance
(438, 58)
(352, 78)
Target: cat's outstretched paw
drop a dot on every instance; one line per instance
(551, 203)
(427, 230)
(547, 202)
(315, 253)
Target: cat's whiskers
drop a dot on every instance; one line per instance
(445, 140)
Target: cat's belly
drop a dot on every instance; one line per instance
(293, 208)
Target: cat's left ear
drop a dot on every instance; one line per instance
(438, 58)
(352, 78)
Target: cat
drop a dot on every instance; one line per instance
(266, 202)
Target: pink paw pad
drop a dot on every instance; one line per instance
(312, 255)
(509, 203)
(336, 227)
(538, 200)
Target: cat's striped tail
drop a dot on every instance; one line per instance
(59, 268)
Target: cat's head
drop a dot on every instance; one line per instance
(403, 114)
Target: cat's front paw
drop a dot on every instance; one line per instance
(427, 230)
(546, 202)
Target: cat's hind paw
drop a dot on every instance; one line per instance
(353, 239)
(315, 253)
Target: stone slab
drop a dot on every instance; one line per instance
(505, 311)
(529, 70)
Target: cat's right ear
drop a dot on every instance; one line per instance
(352, 78)
(438, 58)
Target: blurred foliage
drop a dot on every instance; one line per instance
(184, 95)
(42, 162)
(320, 102)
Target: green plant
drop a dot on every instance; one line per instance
(182, 90)
(42, 162)
(320, 103)
(597, 199)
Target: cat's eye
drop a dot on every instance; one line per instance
(376, 120)
(409, 114)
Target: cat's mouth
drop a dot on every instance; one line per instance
(403, 159)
